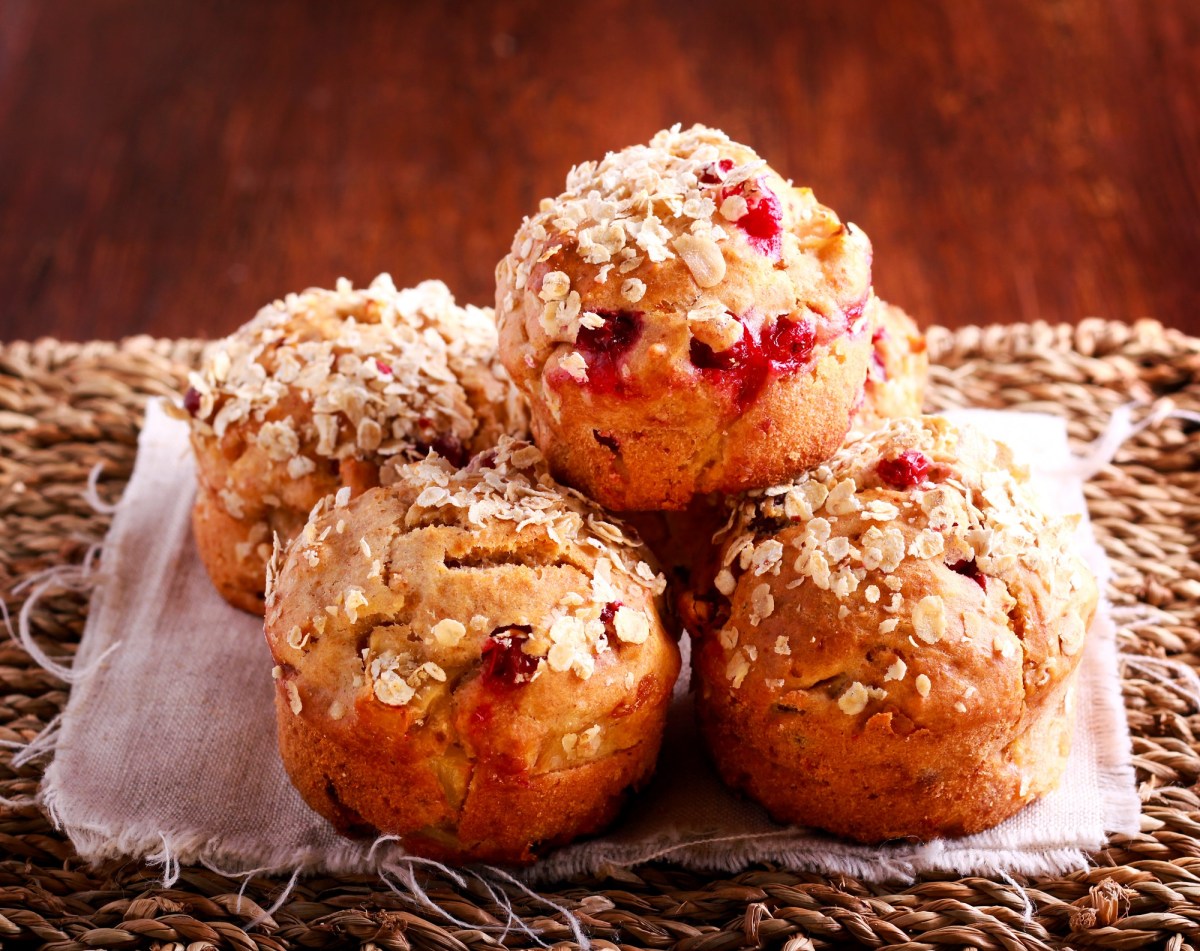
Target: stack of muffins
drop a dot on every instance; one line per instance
(474, 654)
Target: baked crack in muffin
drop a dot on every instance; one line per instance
(317, 392)
(887, 648)
(683, 320)
(473, 660)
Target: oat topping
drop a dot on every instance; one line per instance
(929, 619)
(633, 290)
(448, 631)
(632, 627)
(684, 196)
(352, 601)
(510, 483)
(703, 258)
(844, 529)
(347, 373)
(854, 700)
(737, 668)
(762, 604)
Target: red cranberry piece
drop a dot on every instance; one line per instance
(608, 615)
(605, 347)
(854, 311)
(763, 223)
(968, 569)
(741, 368)
(450, 448)
(484, 460)
(789, 344)
(384, 368)
(503, 659)
(715, 174)
(191, 401)
(905, 470)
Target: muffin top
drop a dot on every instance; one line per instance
(683, 259)
(355, 372)
(913, 575)
(439, 574)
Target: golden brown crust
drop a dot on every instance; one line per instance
(482, 640)
(220, 539)
(683, 321)
(316, 393)
(683, 541)
(505, 815)
(886, 660)
(661, 451)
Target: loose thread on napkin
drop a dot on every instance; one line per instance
(268, 912)
(168, 861)
(92, 493)
(576, 929)
(1027, 908)
(83, 578)
(1120, 428)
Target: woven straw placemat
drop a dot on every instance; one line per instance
(66, 407)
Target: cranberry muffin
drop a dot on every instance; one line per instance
(683, 320)
(316, 393)
(888, 647)
(473, 660)
(899, 367)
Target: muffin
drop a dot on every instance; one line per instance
(472, 660)
(898, 370)
(887, 649)
(683, 320)
(315, 394)
(682, 541)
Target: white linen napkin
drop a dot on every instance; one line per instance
(167, 746)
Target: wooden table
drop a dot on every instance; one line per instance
(167, 166)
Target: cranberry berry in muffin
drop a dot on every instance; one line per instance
(316, 393)
(888, 645)
(473, 660)
(898, 370)
(683, 320)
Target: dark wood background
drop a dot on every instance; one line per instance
(166, 166)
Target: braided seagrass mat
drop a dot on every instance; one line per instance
(66, 407)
